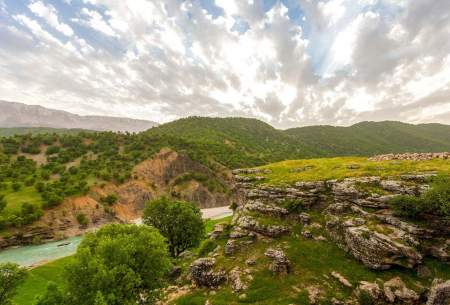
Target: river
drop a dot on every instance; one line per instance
(32, 255)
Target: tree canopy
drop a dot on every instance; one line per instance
(179, 221)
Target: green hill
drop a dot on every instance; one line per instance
(248, 141)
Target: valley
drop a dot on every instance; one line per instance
(313, 223)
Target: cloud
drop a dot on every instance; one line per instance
(346, 60)
(49, 13)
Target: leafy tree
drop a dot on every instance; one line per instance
(117, 265)
(180, 222)
(53, 296)
(3, 203)
(11, 276)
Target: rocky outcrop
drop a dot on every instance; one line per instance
(236, 276)
(439, 293)
(411, 156)
(203, 275)
(251, 224)
(280, 263)
(374, 249)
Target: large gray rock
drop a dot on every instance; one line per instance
(373, 249)
(251, 224)
(203, 275)
(280, 263)
(439, 293)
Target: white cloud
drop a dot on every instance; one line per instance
(173, 59)
(49, 13)
(96, 21)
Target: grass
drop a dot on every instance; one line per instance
(15, 199)
(210, 223)
(287, 172)
(38, 279)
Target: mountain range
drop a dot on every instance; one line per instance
(14, 114)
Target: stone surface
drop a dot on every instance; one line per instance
(280, 263)
(341, 279)
(439, 293)
(203, 275)
(237, 284)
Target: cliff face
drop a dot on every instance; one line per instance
(168, 173)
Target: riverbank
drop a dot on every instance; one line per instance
(41, 275)
(36, 255)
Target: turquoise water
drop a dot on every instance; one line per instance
(30, 255)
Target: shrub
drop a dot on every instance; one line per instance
(51, 150)
(180, 222)
(110, 199)
(206, 247)
(82, 219)
(3, 203)
(437, 199)
(293, 206)
(16, 186)
(11, 276)
(406, 206)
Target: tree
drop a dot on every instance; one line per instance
(3, 203)
(180, 222)
(117, 265)
(53, 296)
(11, 276)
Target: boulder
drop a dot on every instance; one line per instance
(251, 224)
(341, 279)
(203, 275)
(237, 284)
(396, 291)
(280, 263)
(374, 249)
(231, 247)
(370, 292)
(439, 293)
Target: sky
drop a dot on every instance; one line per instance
(290, 62)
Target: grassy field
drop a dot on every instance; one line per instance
(38, 279)
(286, 172)
(15, 199)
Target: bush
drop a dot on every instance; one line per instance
(16, 186)
(11, 276)
(406, 206)
(3, 203)
(293, 206)
(180, 222)
(206, 247)
(51, 150)
(110, 199)
(437, 199)
(82, 219)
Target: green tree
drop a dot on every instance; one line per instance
(118, 265)
(53, 296)
(2, 203)
(180, 222)
(11, 276)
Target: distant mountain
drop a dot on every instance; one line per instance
(21, 115)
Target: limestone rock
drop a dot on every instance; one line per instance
(341, 279)
(396, 290)
(202, 273)
(280, 263)
(439, 293)
(237, 284)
